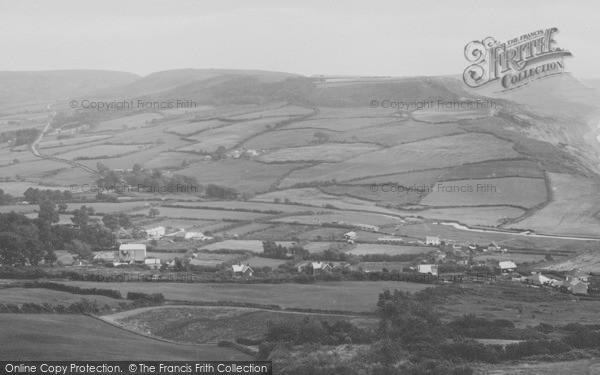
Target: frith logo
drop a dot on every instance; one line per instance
(516, 62)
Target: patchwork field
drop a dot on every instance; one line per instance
(493, 169)
(428, 154)
(488, 216)
(574, 209)
(512, 191)
(250, 245)
(364, 249)
(291, 110)
(331, 152)
(103, 151)
(339, 124)
(283, 138)
(191, 213)
(127, 122)
(397, 133)
(192, 128)
(442, 115)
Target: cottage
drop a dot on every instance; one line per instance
(371, 228)
(432, 241)
(428, 269)
(133, 251)
(577, 274)
(576, 286)
(106, 255)
(320, 267)
(538, 279)
(240, 270)
(493, 246)
(350, 236)
(508, 266)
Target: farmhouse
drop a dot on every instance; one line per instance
(106, 255)
(577, 274)
(507, 266)
(368, 227)
(432, 241)
(538, 279)
(240, 270)
(133, 251)
(320, 267)
(156, 232)
(493, 246)
(576, 286)
(350, 236)
(428, 268)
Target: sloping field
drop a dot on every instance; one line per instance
(209, 324)
(241, 205)
(38, 337)
(102, 151)
(192, 213)
(283, 138)
(493, 169)
(192, 128)
(574, 210)
(229, 136)
(314, 197)
(440, 115)
(429, 154)
(489, 216)
(330, 152)
(290, 110)
(397, 133)
(172, 160)
(344, 295)
(251, 245)
(242, 175)
(347, 217)
(128, 121)
(47, 142)
(340, 124)
(513, 191)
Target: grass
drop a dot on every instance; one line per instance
(204, 325)
(440, 115)
(102, 151)
(513, 191)
(487, 216)
(572, 212)
(345, 296)
(42, 337)
(397, 133)
(363, 249)
(53, 297)
(330, 152)
(283, 138)
(194, 213)
(128, 121)
(250, 245)
(432, 153)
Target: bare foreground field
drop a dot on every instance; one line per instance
(75, 337)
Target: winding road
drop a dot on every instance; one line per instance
(36, 152)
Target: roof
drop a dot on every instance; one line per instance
(540, 279)
(320, 265)
(241, 268)
(132, 246)
(576, 273)
(507, 265)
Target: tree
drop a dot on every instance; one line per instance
(153, 212)
(111, 221)
(81, 217)
(62, 207)
(5, 198)
(80, 249)
(48, 212)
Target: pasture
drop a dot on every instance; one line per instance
(42, 337)
(441, 115)
(121, 123)
(368, 249)
(330, 152)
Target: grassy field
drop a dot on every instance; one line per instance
(573, 211)
(283, 138)
(364, 249)
(330, 152)
(128, 121)
(432, 153)
(251, 245)
(50, 142)
(339, 124)
(441, 115)
(580, 366)
(204, 325)
(192, 213)
(172, 160)
(397, 133)
(493, 169)
(513, 191)
(52, 297)
(102, 151)
(488, 216)
(290, 110)
(40, 337)
(187, 129)
(347, 296)
(242, 175)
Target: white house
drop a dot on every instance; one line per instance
(350, 236)
(507, 266)
(133, 251)
(368, 227)
(432, 240)
(320, 267)
(240, 270)
(428, 268)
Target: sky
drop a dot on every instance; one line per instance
(375, 38)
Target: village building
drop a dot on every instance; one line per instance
(153, 263)
(432, 241)
(577, 274)
(507, 266)
(350, 236)
(240, 270)
(156, 232)
(576, 286)
(133, 251)
(320, 268)
(428, 269)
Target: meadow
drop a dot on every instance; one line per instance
(331, 152)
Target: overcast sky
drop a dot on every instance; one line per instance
(391, 38)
